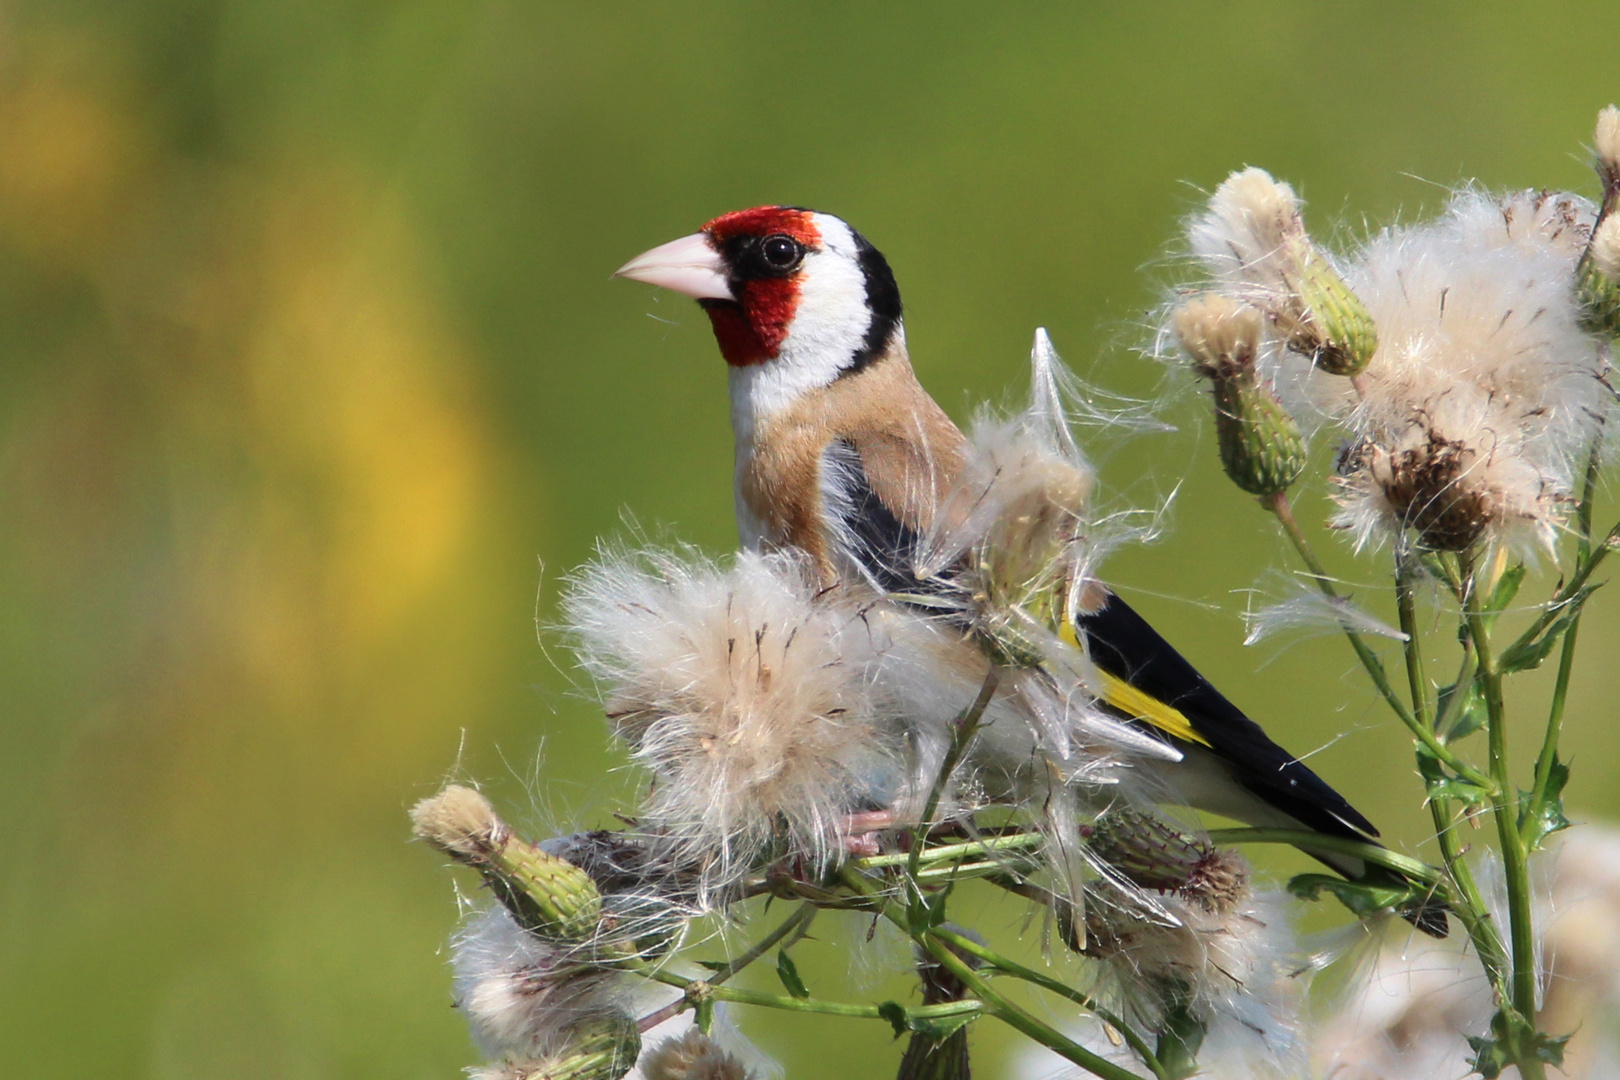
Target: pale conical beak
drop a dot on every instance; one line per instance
(688, 265)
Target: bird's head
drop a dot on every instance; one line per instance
(784, 287)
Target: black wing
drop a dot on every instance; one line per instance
(1125, 646)
(873, 537)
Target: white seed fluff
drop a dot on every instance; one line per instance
(742, 691)
(1485, 394)
(520, 995)
(692, 1056)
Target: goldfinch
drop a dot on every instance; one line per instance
(842, 454)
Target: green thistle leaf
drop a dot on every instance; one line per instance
(788, 972)
(1547, 817)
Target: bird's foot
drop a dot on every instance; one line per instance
(861, 830)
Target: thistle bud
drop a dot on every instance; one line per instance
(1260, 445)
(1606, 144)
(1254, 237)
(1598, 274)
(1331, 324)
(1153, 855)
(601, 1049)
(548, 895)
(1599, 279)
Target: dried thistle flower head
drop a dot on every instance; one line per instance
(458, 821)
(1261, 447)
(1153, 855)
(1252, 239)
(1012, 529)
(1606, 148)
(1010, 555)
(1220, 334)
(741, 689)
(1229, 972)
(1486, 392)
(1606, 247)
(525, 998)
(603, 1050)
(692, 1056)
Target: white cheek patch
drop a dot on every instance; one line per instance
(829, 327)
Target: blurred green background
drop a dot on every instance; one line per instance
(313, 382)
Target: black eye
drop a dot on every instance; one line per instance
(781, 252)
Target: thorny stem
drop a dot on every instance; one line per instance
(1514, 857)
(1279, 505)
(1566, 657)
(794, 925)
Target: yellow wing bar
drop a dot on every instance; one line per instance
(1138, 703)
(1133, 702)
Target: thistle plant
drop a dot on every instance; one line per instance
(810, 749)
(1473, 428)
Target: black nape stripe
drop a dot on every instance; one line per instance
(882, 299)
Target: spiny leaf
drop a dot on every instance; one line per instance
(1548, 817)
(935, 1029)
(1471, 712)
(895, 1014)
(1506, 588)
(1550, 1048)
(1455, 787)
(1442, 784)
(1489, 1056)
(1529, 655)
(1523, 656)
(1361, 897)
(788, 972)
(927, 910)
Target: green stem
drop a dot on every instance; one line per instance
(1548, 756)
(1007, 966)
(1279, 505)
(702, 990)
(1021, 1021)
(1406, 605)
(947, 852)
(794, 924)
(997, 1005)
(1514, 857)
(1376, 854)
(962, 732)
(1473, 913)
